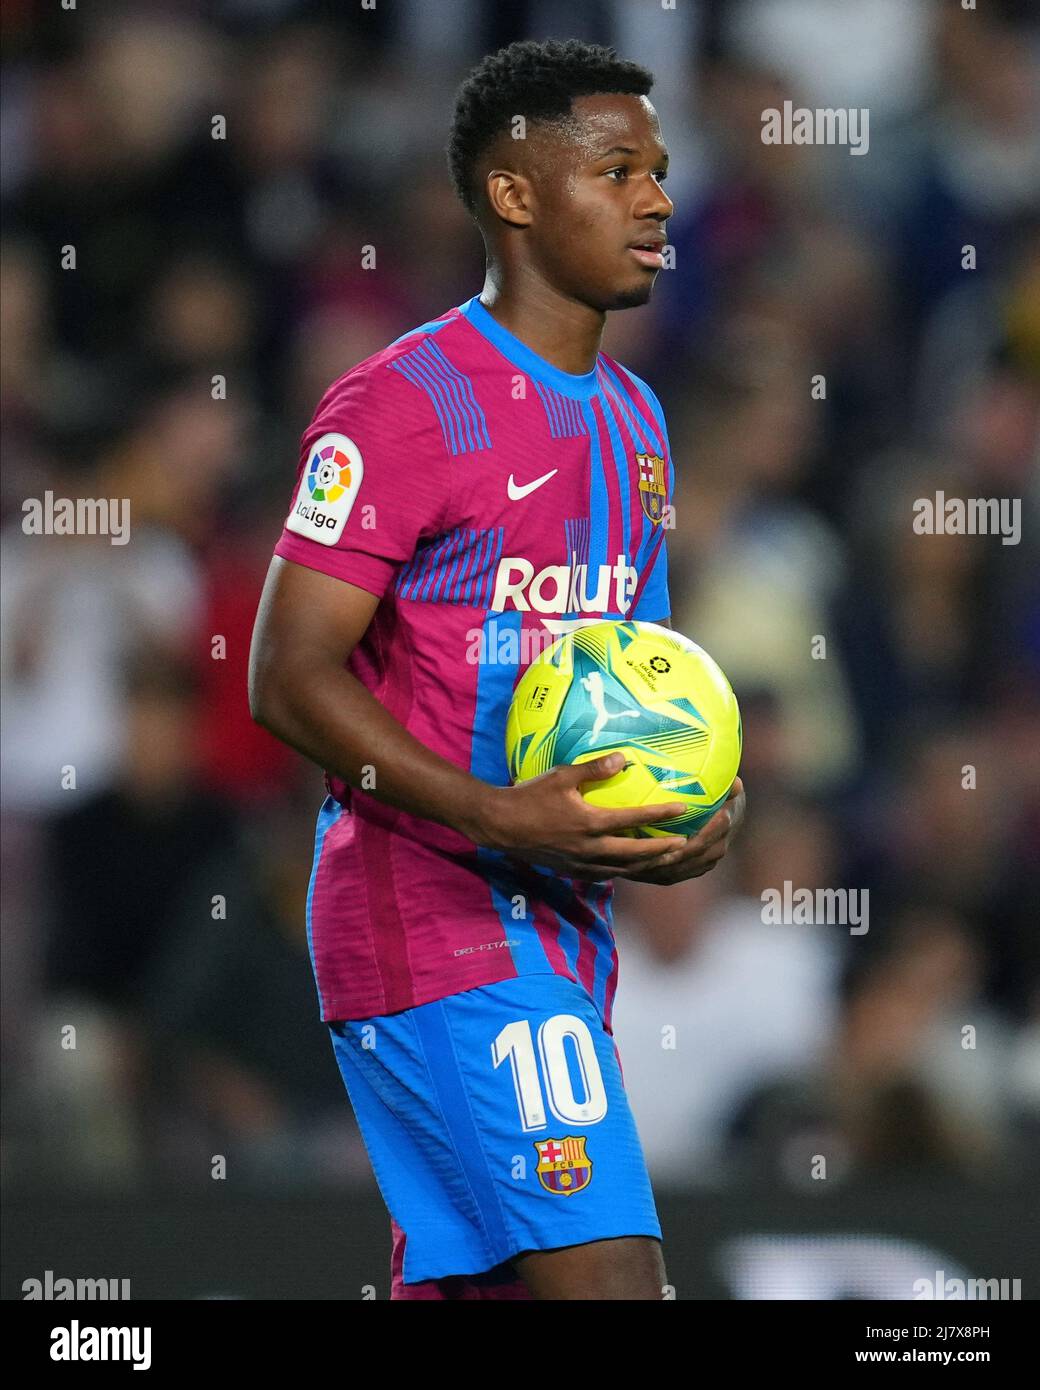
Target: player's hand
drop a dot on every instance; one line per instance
(547, 821)
(701, 852)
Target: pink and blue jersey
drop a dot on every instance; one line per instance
(491, 502)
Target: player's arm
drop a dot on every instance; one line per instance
(307, 624)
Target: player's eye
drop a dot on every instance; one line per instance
(621, 169)
(660, 175)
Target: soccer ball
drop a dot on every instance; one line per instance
(639, 689)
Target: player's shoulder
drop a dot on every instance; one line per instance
(631, 383)
(389, 376)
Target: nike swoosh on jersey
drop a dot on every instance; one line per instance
(518, 490)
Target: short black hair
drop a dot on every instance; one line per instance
(537, 81)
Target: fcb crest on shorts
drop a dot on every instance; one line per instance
(652, 485)
(563, 1165)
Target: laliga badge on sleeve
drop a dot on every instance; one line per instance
(330, 482)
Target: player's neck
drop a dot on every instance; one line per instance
(559, 329)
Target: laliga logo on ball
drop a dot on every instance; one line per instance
(328, 475)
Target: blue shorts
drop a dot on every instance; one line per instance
(497, 1122)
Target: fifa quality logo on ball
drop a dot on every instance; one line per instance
(328, 475)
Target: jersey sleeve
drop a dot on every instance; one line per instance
(653, 601)
(372, 481)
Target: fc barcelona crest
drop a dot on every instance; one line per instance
(563, 1165)
(652, 485)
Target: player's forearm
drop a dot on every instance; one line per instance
(336, 722)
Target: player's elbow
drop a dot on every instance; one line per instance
(259, 704)
(286, 689)
(262, 704)
(269, 702)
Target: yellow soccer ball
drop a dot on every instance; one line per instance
(639, 689)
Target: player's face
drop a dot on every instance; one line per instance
(600, 200)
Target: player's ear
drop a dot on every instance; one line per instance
(510, 195)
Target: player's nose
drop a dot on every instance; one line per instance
(654, 204)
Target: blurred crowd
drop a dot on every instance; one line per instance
(187, 190)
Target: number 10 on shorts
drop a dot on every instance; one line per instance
(516, 1043)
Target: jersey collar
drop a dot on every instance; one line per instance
(579, 388)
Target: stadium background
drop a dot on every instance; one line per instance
(241, 258)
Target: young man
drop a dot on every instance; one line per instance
(488, 473)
